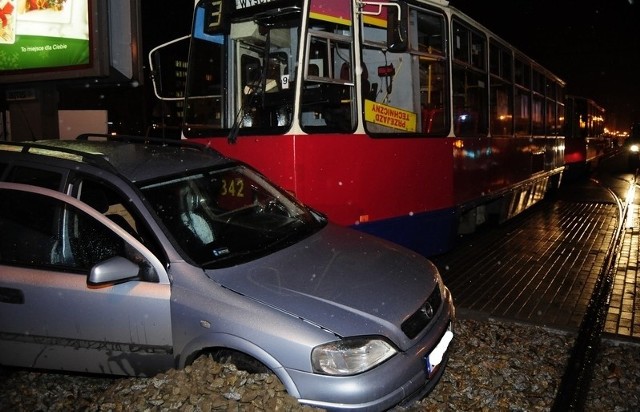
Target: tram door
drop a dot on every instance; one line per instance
(406, 89)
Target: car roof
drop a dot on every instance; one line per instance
(137, 159)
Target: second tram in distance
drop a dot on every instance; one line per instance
(586, 141)
(407, 120)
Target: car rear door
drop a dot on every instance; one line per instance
(52, 316)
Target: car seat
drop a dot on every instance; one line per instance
(192, 218)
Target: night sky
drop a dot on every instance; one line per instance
(593, 45)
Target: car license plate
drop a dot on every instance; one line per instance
(437, 354)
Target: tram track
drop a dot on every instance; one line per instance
(574, 386)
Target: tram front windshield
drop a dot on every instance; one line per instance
(241, 77)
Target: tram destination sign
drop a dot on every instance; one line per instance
(247, 4)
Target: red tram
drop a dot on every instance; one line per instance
(405, 119)
(585, 139)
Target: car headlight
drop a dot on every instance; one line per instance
(634, 148)
(350, 356)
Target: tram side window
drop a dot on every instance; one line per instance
(522, 98)
(538, 103)
(501, 108)
(501, 61)
(551, 122)
(598, 120)
(433, 84)
(522, 112)
(328, 92)
(555, 118)
(469, 83)
(461, 43)
(408, 91)
(537, 114)
(469, 103)
(501, 105)
(433, 98)
(523, 73)
(478, 54)
(560, 116)
(430, 34)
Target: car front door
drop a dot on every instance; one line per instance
(78, 292)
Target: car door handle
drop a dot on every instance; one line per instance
(11, 295)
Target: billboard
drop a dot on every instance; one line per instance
(53, 39)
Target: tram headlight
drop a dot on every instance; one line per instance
(634, 148)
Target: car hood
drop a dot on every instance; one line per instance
(340, 279)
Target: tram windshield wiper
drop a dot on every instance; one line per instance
(256, 89)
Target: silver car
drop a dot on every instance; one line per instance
(129, 257)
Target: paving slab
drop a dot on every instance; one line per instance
(542, 266)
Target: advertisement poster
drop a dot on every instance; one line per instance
(7, 21)
(43, 34)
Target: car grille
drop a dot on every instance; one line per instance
(423, 316)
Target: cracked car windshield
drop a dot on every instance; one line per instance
(225, 217)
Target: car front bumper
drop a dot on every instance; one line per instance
(402, 379)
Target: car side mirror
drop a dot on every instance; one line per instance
(115, 269)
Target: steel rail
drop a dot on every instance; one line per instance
(574, 386)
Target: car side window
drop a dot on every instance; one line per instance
(89, 241)
(116, 206)
(106, 201)
(44, 232)
(35, 176)
(29, 229)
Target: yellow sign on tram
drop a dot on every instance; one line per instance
(389, 116)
